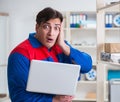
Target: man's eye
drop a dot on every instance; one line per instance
(46, 26)
(56, 28)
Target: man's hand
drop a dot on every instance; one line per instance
(61, 42)
(62, 98)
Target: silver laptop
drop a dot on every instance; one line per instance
(53, 77)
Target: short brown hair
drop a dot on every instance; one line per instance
(47, 14)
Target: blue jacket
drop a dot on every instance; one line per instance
(19, 63)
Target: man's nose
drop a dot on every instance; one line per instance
(51, 31)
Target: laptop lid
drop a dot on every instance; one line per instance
(52, 77)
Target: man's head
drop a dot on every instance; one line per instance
(47, 14)
(48, 24)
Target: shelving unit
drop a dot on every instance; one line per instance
(84, 89)
(105, 35)
(4, 43)
(84, 39)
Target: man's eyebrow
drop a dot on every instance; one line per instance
(58, 24)
(46, 23)
(55, 24)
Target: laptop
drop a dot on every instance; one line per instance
(52, 77)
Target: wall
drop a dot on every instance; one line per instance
(22, 14)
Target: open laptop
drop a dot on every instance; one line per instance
(53, 77)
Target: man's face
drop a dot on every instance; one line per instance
(48, 32)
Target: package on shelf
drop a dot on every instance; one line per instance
(104, 56)
(116, 20)
(112, 20)
(91, 75)
(112, 47)
(91, 95)
(111, 57)
(108, 20)
(78, 20)
(115, 57)
(113, 74)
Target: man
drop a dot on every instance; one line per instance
(48, 44)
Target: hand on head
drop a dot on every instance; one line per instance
(60, 39)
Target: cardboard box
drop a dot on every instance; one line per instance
(112, 47)
(91, 95)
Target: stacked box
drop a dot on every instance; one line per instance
(112, 47)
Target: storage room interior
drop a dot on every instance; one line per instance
(91, 26)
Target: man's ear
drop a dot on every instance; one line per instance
(37, 27)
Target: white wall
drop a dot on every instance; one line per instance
(22, 14)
